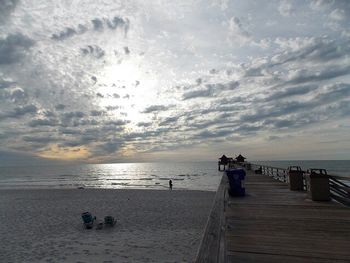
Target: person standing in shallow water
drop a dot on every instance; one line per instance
(170, 185)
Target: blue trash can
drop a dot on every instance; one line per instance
(236, 180)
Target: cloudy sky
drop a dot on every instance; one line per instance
(109, 80)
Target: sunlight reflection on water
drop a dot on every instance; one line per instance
(190, 176)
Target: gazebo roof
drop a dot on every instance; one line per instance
(223, 157)
(240, 157)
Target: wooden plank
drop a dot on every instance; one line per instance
(274, 224)
(246, 257)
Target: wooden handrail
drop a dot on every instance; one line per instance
(339, 185)
(212, 247)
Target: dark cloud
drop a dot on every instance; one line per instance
(253, 72)
(210, 90)
(199, 81)
(13, 48)
(316, 50)
(40, 139)
(156, 108)
(206, 92)
(97, 113)
(304, 76)
(203, 124)
(276, 110)
(112, 108)
(43, 122)
(74, 118)
(117, 122)
(19, 112)
(69, 32)
(245, 129)
(66, 33)
(6, 8)
(144, 124)
(60, 107)
(109, 147)
(206, 134)
(147, 134)
(70, 144)
(69, 131)
(73, 114)
(94, 51)
(289, 92)
(85, 122)
(4, 84)
(126, 50)
(118, 22)
(170, 121)
(97, 24)
(333, 93)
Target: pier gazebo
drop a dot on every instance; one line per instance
(240, 159)
(223, 161)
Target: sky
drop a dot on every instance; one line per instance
(125, 81)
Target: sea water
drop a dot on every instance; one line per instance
(184, 176)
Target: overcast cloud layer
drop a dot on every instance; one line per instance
(106, 81)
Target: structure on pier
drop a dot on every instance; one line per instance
(240, 159)
(224, 161)
(274, 224)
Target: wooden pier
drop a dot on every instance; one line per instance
(273, 224)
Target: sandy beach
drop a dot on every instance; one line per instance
(152, 225)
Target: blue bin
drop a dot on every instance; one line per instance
(236, 179)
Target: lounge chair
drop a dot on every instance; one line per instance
(88, 219)
(110, 221)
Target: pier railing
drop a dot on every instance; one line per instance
(340, 189)
(339, 185)
(212, 247)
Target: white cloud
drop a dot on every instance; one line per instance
(285, 8)
(321, 4)
(338, 15)
(237, 34)
(71, 82)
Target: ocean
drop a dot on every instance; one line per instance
(185, 176)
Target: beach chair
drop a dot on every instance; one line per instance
(110, 221)
(88, 219)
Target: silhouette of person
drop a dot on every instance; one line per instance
(170, 184)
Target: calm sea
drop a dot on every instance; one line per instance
(185, 176)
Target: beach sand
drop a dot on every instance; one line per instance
(152, 225)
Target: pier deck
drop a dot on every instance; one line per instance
(273, 224)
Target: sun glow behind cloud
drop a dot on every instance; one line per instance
(130, 88)
(65, 153)
(125, 79)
